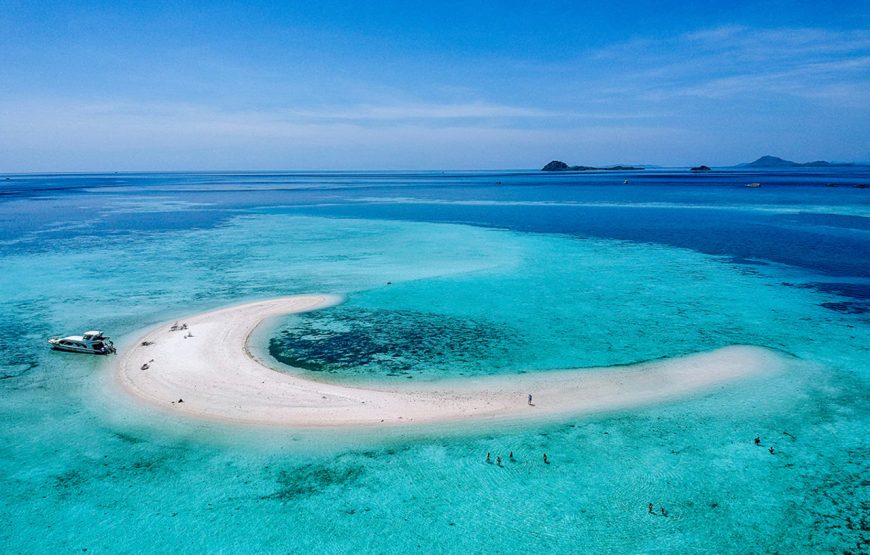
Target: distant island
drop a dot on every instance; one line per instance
(765, 162)
(559, 166)
(776, 162)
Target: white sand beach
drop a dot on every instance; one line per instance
(207, 371)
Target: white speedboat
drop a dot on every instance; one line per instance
(92, 342)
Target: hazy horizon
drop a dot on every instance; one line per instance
(644, 166)
(99, 87)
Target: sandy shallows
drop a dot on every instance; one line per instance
(209, 367)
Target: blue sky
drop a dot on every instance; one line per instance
(89, 86)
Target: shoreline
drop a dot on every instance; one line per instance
(219, 379)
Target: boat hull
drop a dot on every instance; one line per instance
(83, 351)
(105, 349)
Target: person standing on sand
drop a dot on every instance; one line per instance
(530, 399)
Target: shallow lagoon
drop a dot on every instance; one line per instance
(516, 292)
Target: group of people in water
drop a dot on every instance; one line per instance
(758, 442)
(511, 455)
(664, 512)
(511, 458)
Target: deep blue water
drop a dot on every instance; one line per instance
(797, 218)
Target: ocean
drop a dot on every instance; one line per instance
(446, 275)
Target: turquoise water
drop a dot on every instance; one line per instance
(431, 296)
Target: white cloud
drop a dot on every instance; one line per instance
(183, 136)
(736, 61)
(404, 111)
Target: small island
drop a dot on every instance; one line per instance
(559, 166)
(768, 161)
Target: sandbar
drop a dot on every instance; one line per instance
(207, 371)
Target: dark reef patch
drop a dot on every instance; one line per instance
(17, 370)
(841, 506)
(127, 438)
(394, 343)
(312, 479)
(70, 479)
(20, 343)
(848, 307)
(857, 293)
(860, 291)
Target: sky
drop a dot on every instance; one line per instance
(158, 86)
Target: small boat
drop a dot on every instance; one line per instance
(755, 185)
(91, 342)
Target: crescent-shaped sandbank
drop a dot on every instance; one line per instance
(207, 371)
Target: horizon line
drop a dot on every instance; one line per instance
(642, 167)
